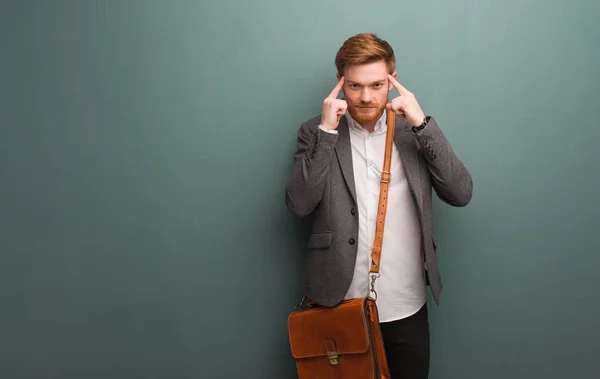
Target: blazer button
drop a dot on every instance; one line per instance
(351, 241)
(353, 211)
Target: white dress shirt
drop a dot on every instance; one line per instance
(401, 286)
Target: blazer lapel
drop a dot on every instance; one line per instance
(343, 149)
(406, 145)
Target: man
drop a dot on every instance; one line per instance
(336, 178)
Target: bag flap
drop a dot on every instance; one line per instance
(345, 325)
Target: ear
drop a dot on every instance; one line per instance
(338, 76)
(391, 86)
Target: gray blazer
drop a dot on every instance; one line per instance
(322, 184)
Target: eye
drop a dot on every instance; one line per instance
(354, 86)
(378, 85)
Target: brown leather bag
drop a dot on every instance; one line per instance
(345, 341)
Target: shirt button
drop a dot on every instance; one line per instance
(351, 241)
(353, 211)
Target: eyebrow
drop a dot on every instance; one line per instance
(375, 82)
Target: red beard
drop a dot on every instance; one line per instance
(366, 115)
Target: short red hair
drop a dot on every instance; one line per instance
(364, 48)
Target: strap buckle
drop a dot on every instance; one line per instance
(386, 177)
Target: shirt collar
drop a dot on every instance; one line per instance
(380, 125)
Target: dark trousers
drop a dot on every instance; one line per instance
(406, 344)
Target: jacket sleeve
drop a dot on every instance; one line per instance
(312, 160)
(450, 179)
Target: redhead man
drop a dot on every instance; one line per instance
(336, 179)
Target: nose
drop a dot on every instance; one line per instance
(365, 96)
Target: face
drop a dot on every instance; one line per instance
(366, 89)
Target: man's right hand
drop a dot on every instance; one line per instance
(333, 108)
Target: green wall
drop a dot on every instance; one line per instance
(144, 146)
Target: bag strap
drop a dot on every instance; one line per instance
(386, 177)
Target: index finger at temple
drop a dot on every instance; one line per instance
(398, 86)
(337, 88)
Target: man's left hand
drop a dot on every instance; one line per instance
(406, 104)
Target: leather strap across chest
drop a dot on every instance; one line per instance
(386, 178)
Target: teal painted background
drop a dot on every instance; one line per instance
(144, 148)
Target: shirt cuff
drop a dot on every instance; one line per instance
(327, 130)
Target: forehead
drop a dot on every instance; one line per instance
(366, 73)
